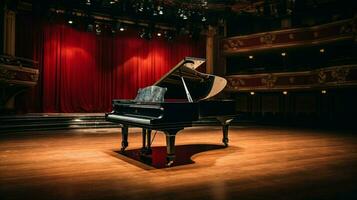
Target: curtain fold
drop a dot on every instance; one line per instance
(83, 72)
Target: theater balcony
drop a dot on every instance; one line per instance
(293, 73)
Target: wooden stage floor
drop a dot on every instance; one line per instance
(260, 163)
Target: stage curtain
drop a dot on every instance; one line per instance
(83, 72)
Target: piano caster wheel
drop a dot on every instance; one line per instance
(124, 145)
(225, 142)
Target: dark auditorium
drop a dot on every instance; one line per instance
(178, 99)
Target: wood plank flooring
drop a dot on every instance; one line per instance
(260, 163)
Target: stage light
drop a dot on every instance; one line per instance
(98, 29)
(121, 29)
(283, 54)
(145, 34)
(285, 92)
(70, 21)
(322, 50)
(252, 93)
(251, 57)
(159, 34)
(169, 35)
(323, 91)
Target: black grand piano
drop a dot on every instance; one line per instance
(178, 99)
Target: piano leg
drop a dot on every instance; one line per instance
(146, 149)
(124, 138)
(170, 145)
(225, 135)
(148, 140)
(143, 149)
(225, 125)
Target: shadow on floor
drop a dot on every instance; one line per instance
(158, 157)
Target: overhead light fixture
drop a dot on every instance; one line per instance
(252, 93)
(70, 21)
(283, 54)
(159, 34)
(121, 29)
(98, 29)
(285, 92)
(251, 57)
(145, 34)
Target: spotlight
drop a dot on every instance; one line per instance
(322, 50)
(145, 34)
(159, 34)
(121, 29)
(285, 92)
(252, 93)
(323, 91)
(168, 35)
(160, 9)
(70, 21)
(251, 57)
(283, 54)
(98, 29)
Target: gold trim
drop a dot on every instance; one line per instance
(26, 83)
(19, 68)
(285, 45)
(294, 30)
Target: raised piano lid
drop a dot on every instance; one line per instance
(200, 85)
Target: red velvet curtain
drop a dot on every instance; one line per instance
(83, 72)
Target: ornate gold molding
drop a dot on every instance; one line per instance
(336, 31)
(337, 76)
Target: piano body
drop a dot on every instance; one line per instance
(187, 95)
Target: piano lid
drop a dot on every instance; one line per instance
(199, 85)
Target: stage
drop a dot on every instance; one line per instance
(260, 163)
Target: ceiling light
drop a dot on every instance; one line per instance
(285, 92)
(121, 29)
(70, 22)
(159, 34)
(251, 57)
(252, 93)
(283, 54)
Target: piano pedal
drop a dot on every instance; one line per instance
(170, 160)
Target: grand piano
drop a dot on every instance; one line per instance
(178, 99)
